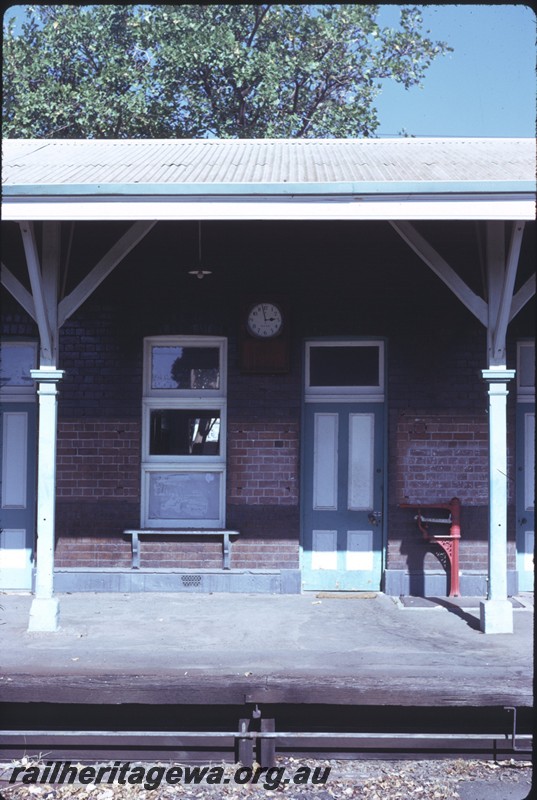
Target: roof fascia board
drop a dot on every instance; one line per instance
(249, 190)
(486, 207)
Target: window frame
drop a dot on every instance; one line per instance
(329, 393)
(152, 404)
(187, 399)
(218, 342)
(19, 392)
(182, 523)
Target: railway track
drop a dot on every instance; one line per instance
(248, 734)
(231, 746)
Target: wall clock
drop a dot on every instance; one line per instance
(264, 336)
(265, 320)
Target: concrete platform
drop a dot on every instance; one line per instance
(363, 648)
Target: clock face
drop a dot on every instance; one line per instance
(264, 320)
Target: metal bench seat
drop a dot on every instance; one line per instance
(225, 534)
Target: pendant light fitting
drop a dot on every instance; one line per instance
(199, 273)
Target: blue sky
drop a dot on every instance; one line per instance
(486, 87)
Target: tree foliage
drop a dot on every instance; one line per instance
(191, 71)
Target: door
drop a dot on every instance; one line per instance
(18, 415)
(525, 495)
(343, 466)
(18, 436)
(525, 464)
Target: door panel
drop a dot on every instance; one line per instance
(342, 537)
(360, 486)
(18, 430)
(324, 550)
(325, 462)
(359, 555)
(14, 459)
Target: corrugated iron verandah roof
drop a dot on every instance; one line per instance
(318, 170)
(68, 162)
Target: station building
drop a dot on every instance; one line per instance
(247, 366)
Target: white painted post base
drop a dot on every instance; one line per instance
(44, 614)
(496, 616)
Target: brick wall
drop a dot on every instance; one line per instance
(275, 553)
(168, 552)
(437, 368)
(435, 456)
(98, 458)
(89, 549)
(98, 488)
(440, 456)
(263, 463)
(102, 362)
(269, 535)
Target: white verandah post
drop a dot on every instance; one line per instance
(496, 612)
(44, 279)
(44, 612)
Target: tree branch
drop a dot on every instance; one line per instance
(295, 96)
(260, 14)
(311, 112)
(89, 56)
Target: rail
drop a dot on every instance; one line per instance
(244, 745)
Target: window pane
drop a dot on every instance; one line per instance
(344, 366)
(185, 367)
(526, 366)
(16, 361)
(184, 432)
(183, 496)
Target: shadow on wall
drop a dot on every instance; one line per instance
(416, 551)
